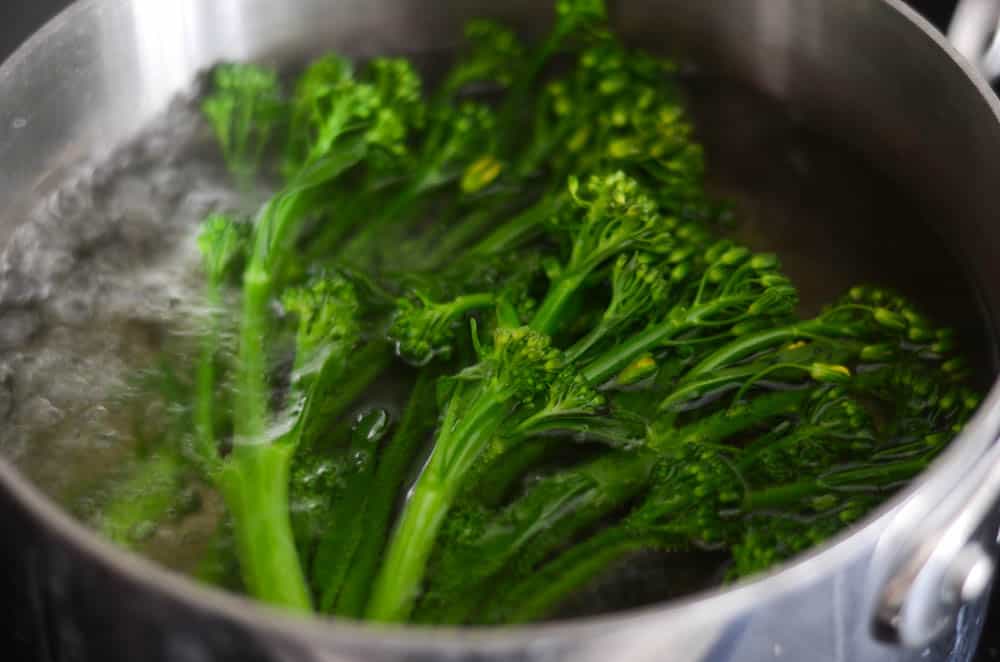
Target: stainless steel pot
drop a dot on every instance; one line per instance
(907, 584)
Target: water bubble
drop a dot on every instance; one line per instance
(372, 425)
(360, 459)
(71, 202)
(91, 283)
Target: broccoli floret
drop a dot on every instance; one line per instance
(246, 109)
(494, 52)
(422, 328)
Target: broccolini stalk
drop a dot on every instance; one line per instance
(516, 369)
(340, 542)
(584, 495)
(574, 18)
(596, 119)
(458, 136)
(254, 477)
(417, 423)
(338, 123)
(521, 367)
(221, 241)
(524, 380)
(477, 548)
(826, 467)
(853, 325)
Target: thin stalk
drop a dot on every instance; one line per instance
(254, 481)
(552, 311)
(251, 406)
(521, 228)
(398, 584)
(339, 543)
(541, 521)
(724, 424)
(537, 595)
(368, 235)
(756, 342)
(862, 479)
(205, 397)
(363, 369)
(462, 438)
(389, 481)
(618, 358)
(449, 245)
(498, 478)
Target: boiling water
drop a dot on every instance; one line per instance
(105, 274)
(91, 287)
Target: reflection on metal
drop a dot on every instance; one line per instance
(975, 33)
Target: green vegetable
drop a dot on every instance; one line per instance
(527, 257)
(246, 110)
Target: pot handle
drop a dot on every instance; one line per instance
(936, 557)
(937, 554)
(975, 33)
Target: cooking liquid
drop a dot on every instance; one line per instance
(105, 276)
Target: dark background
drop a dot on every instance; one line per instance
(20, 18)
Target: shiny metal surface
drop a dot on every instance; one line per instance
(869, 72)
(975, 33)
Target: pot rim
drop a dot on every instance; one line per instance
(709, 605)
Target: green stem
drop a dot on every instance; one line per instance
(449, 245)
(363, 368)
(372, 230)
(539, 594)
(611, 482)
(205, 397)
(340, 541)
(461, 440)
(396, 460)
(251, 406)
(276, 232)
(616, 359)
(589, 341)
(538, 523)
(254, 481)
(497, 478)
(398, 583)
(756, 342)
(520, 229)
(468, 302)
(550, 314)
(863, 479)
(724, 424)
(342, 219)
